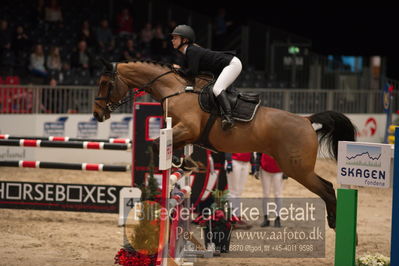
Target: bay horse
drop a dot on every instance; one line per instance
(289, 138)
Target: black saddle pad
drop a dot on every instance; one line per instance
(243, 105)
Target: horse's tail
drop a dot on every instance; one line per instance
(334, 127)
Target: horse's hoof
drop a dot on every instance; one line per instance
(331, 221)
(177, 162)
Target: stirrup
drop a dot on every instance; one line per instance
(227, 123)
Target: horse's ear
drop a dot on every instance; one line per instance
(107, 64)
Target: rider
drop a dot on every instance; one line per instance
(223, 65)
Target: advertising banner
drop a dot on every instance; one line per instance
(364, 164)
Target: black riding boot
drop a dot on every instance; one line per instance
(277, 222)
(227, 120)
(266, 222)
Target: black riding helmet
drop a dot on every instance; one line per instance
(185, 31)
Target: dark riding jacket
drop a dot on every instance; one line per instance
(198, 59)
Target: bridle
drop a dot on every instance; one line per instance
(112, 72)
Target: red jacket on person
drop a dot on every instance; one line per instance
(243, 157)
(269, 164)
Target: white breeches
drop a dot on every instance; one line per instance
(227, 76)
(236, 181)
(268, 180)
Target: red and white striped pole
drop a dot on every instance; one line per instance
(66, 139)
(63, 144)
(66, 166)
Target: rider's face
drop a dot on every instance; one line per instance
(176, 40)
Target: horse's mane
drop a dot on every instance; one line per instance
(150, 61)
(207, 77)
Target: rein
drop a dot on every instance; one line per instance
(112, 106)
(114, 76)
(187, 89)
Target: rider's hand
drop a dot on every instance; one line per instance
(176, 66)
(229, 167)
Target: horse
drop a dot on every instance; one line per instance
(289, 138)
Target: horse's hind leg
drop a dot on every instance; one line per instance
(330, 200)
(325, 190)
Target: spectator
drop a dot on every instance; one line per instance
(5, 35)
(104, 37)
(54, 61)
(130, 53)
(53, 13)
(158, 43)
(86, 34)
(37, 60)
(7, 60)
(270, 175)
(53, 83)
(21, 45)
(38, 14)
(146, 36)
(237, 168)
(21, 41)
(124, 23)
(221, 26)
(171, 25)
(81, 58)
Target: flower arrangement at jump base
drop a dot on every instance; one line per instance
(373, 260)
(142, 233)
(217, 222)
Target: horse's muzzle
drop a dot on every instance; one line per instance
(100, 116)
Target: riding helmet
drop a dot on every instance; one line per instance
(184, 31)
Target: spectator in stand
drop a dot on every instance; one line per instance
(104, 37)
(21, 42)
(39, 12)
(53, 83)
(270, 175)
(130, 52)
(7, 56)
(81, 58)
(86, 34)
(171, 25)
(37, 60)
(221, 26)
(146, 36)
(237, 168)
(158, 44)
(21, 45)
(5, 35)
(53, 12)
(54, 61)
(124, 23)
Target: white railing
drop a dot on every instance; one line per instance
(79, 99)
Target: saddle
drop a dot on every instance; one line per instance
(243, 105)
